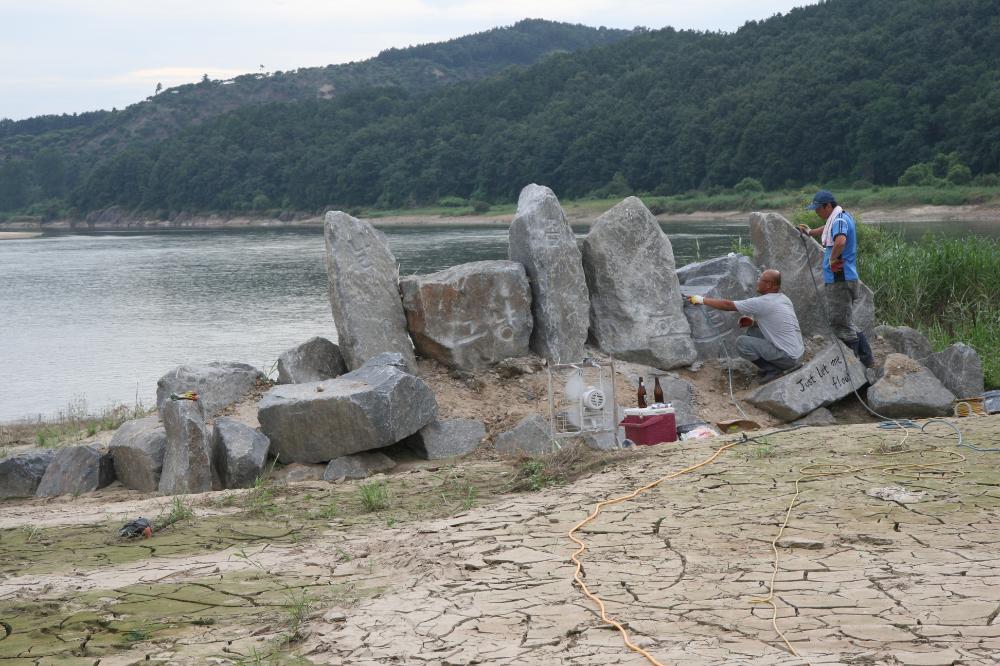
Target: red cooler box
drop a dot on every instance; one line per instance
(650, 426)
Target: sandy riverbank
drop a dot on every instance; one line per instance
(15, 235)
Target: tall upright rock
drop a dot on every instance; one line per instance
(542, 240)
(187, 460)
(363, 279)
(733, 277)
(777, 244)
(636, 310)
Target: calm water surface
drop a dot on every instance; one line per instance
(94, 320)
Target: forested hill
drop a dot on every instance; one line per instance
(844, 90)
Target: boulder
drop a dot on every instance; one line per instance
(959, 368)
(733, 277)
(779, 245)
(678, 392)
(313, 361)
(75, 470)
(298, 472)
(218, 384)
(531, 436)
(906, 340)
(187, 460)
(542, 240)
(447, 438)
(822, 381)
(817, 417)
(376, 405)
(239, 453)
(137, 449)
(363, 279)
(636, 309)
(20, 474)
(908, 389)
(358, 466)
(469, 316)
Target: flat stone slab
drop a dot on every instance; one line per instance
(358, 466)
(314, 360)
(137, 449)
(218, 384)
(822, 381)
(76, 470)
(20, 474)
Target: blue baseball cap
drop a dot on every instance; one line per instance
(822, 197)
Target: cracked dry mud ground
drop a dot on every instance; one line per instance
(861, 580)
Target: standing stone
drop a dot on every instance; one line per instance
(447, 438)
(542, 240)
(822, 381)
(75, 470)
(358, 466)
(363, 279)
(374, 406)
(187, 461)
(312, 361)
(908, 389)
(20, 474)
(239, 453)
(532, 436)
(218, 384)
(469, 316)
(733, 277)
(636, 310)
(960, 369)
(779, 245)
(137, 448)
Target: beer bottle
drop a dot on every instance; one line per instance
(658, 391)
(641, 394)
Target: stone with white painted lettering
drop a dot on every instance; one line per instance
(532, 436)
(908, 389)
(137, 448)
(779, 245)
(374, 406)
(636, 309)
(314, 360)
(731, 277)
(959, 368)
(447, 438)
(239, 453)
(20, 474)
(469, 316)
(363, 281)
(218, 384)
(358, 466)
(831, 375)
(187, 460)
(541, 239)
(75, 470)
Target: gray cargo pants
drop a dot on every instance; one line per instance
(840, 299)
(753, 346)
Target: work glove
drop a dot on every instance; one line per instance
(696, 299)
(837, 265)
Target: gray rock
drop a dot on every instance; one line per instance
(959, 368)
(678, 392)
(313, 361)
(297, 472)
(817, 417)
(636, 310)
(374, 406)
(447, 438)
(908, 389)
(218, 384)
(358, 466)
(906, 340)
(363, 280)
(820, 382)
(75, 470)
(542, 240)
(137, 448)
(515, 367)
(469, 316)
(239, 453)
(187, 460)
(779, 245)
(531, 436)
(732, 277)
(20, 474)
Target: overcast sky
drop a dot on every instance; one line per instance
(65, 56)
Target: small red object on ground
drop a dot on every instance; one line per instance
(652, 429)
(148, 532)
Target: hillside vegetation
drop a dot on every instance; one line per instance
(843, 92)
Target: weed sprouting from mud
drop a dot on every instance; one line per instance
(374, 496)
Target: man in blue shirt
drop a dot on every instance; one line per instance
(839, 238)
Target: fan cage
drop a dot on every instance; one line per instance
(570, 417)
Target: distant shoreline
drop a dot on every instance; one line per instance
(578, 216)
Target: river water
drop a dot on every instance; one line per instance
(89, 321)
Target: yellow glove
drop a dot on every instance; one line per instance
(696, 299)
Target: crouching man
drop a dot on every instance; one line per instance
(774, 343)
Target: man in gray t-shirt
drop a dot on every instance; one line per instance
(774, 344)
